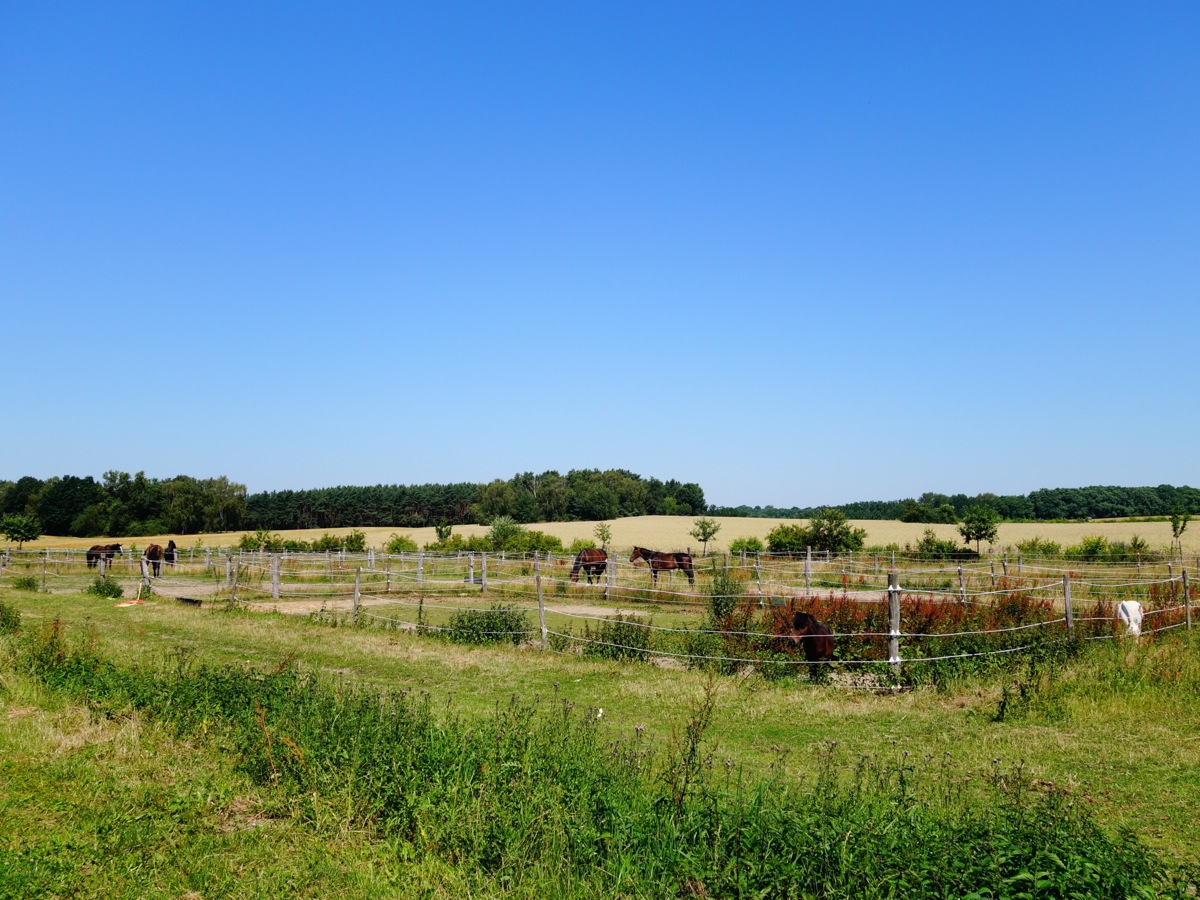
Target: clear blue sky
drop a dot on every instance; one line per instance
(797, 253)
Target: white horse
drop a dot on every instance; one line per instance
(1129, 614)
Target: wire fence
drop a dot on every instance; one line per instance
(886, 613)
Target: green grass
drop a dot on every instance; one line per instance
(139, 807)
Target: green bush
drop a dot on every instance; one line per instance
(401, 543)
(933, 547)
(1091, 547)
(750, 545)
(497, 625)
(104, 587)
(355, 542)
(528, 541)
(25, 583)
(1037, 546)
(788, 539)
(327, 543)
(10, 618)
(580, 544)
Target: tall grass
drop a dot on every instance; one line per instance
(539, 797)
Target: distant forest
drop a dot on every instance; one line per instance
(124, 504)
(1046, 505)
(133, 505)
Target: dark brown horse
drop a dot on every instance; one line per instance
(815, 637)
(98, 552)
(659, 561)
(169, 553)
(592, 561)
(154, 555)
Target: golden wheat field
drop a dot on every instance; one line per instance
(671, 533)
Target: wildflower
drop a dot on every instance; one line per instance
(600, 712)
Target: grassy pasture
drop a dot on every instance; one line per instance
(671, 533)
(1117, 730)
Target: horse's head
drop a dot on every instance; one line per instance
(802, 623)
(170, 545)
(638, 553)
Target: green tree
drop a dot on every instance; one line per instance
(1179, 524)
(504, 530)
(20, 527)
(704, 530)
(603, 533)
(831, 531)
(979, 523)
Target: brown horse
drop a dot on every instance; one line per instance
(816, 637)
(154, 555)
(169, 553)
(592, 561)
(659, 561)
(98, 552)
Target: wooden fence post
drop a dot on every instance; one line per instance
(1069, 614)
(421, 567)
(387, 575)
(1187, 602)
(233, 589)
(46, 559)
(537, 579)
(100, 563)
(608, 579)
(483, 573)
(894, 622)
(807, 571)
(471, 567)
(962, 586)
(228, 569)
(357, 595)
(275, 576)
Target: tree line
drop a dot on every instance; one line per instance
(581, 494)
(124, 504)
(1047, 504)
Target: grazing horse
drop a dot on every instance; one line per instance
(592, 561)
(815, 637)
(154, 555)
(98, 552)
(169, 553)
(659, 561)
(1129, 615)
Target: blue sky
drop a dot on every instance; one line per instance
(797, 253)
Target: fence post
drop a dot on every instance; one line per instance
(228, 568)
(357, 574)
(1070, 616)
(1019, 570)
(387, 575)
(483, 573)
(233, 589)
(807, 570)
(962, 586)
(274, 576)
(1187, 602)
(894, 622)
(537, 579)
(608, 579)
(471, 567)
(758, 572)
(145, 576)
(46, 559)
(100, 563)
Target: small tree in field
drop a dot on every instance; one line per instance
(831, 531)
(603, 533)
(20, 527)
(1179, 524)
(705, 530)
(980, 523)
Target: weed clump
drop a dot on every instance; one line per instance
(104, 587)
(25, 583)
(10, 618)
(496, 625)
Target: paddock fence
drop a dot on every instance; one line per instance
(888, 611)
